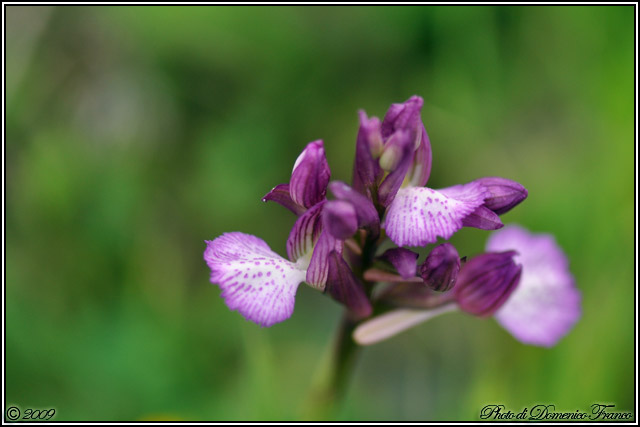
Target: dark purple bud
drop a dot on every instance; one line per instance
(400, 157)
(280, 194)
(504, 194)
(403, 260)
(365, 211)
(486, 282)
(339, 218)
(310, 176)
(440, 270)
(366, 171)
(483, 218)
(344, 287)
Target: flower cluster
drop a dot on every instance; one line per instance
(522, 280)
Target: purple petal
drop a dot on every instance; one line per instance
(304, 233)
(486, 281)
(483, 218)
(404, 116)
(318, 269)
(403, 260)
(419, 215)
(421, 166)
(546, 304)
(339, 218)
(504, 194)
(401, 149)
(256, 281)
(367, 215)
(440, 269)
(344, 287)
(280, 194)
(310, 176)
(366, 171)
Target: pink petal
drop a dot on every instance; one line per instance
(546, 304)
(256, 281)
(419, 215)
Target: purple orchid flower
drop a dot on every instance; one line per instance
(523, 281)
(334, 243)
(417, 215)
(259, 283)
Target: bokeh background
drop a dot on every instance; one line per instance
(135, 133)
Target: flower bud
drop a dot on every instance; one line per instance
(440, 270)
(504, 194)
(486, 281)
(339, 217)
(403, 260)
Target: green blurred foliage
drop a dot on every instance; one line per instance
(135, 133)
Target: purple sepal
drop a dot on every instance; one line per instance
(367, 215)
(319, 264)
(391, 184)
(310, 176)
(344, 287)
(404, 116)
(366, 171)
(486, 281)
(403, 260)
(440, 269)
(483, 218)
(504, 194)
(280, 194)
(340, 219)
(305, 232)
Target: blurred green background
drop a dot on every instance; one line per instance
(135, 133)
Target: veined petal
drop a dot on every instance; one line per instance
(305, 232)
(392, 323)
(366, 170)
(280, 194)
(546, 304)
(318, 270)
(419, 215)
(310, 176)
(256, 281)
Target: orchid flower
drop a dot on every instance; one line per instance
(523, 281)
(334, 245)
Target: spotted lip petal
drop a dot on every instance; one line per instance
(256, 281)
(419, 215)
(546, 304)
(310, 176)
